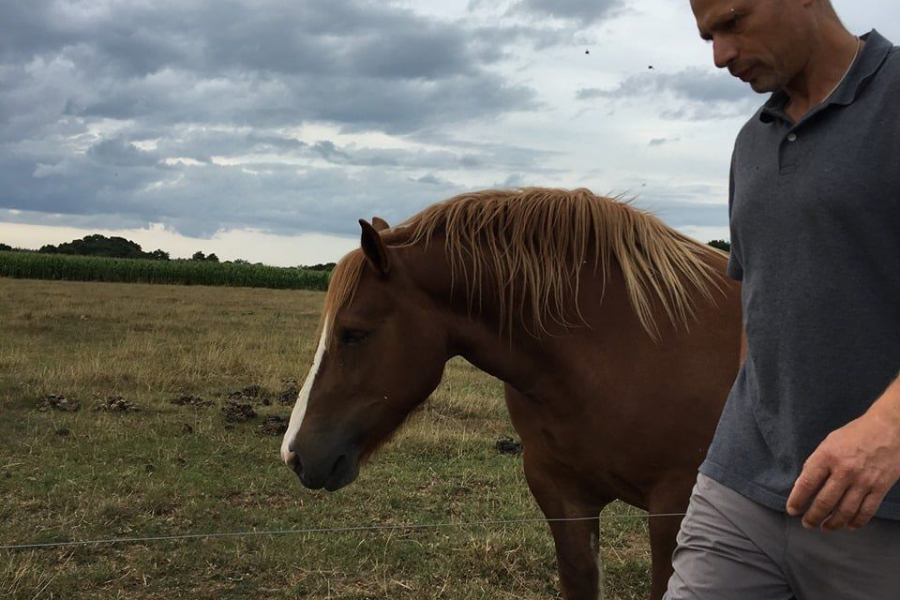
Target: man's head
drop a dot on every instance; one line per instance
(766, 43)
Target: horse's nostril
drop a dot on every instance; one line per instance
(295, 465)
(339, 463)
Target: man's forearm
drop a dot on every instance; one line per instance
(887, 406)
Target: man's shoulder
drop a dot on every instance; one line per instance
(750, 127)
(886, 75)
(892, 63)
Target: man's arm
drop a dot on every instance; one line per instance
(849, 474)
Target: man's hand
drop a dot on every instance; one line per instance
(849, 474)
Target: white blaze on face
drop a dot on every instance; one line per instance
(303, 398)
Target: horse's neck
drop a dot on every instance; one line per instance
(521, 361)
(473, 322)
(555, 366)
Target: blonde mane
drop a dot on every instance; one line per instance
(532, 244)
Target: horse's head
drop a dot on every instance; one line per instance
(379, 356)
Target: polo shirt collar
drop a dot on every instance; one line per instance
(870, 60)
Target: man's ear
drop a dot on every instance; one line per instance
(380, 224)
(374, 249)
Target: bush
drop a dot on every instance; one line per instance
(721, 245)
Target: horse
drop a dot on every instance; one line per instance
(617, 339)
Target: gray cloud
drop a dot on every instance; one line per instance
(469, 157)
(687, 213)
(201, 199)
(586, 12)
(432, 179)
(358, 64)
(681, 205)
(704, 94)
(310, 188)
(94, 98)
(116, 152)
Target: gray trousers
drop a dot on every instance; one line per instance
(731, 548)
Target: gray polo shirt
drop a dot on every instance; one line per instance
(814, 209)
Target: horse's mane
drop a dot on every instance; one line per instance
(532, 243)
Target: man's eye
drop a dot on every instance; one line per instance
(734, 22)
(351, 337)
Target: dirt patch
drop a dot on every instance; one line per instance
(187, 429)
(63, 432)
(509, 446)
(117, 404)
(237, 413)
(288, 396)
(253, 393)
(54, 402)
(192, 400)
(274, 425)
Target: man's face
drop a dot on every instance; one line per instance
(758, 41)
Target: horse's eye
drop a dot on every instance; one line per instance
(351, 337)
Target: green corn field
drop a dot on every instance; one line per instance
(32, 265)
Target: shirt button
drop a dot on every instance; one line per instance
(792, 137)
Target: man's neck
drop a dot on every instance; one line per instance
(829, 62)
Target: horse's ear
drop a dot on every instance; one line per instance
(374, 248)
(380, 224)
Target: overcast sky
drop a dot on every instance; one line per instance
(264, 129)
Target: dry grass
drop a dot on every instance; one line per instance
(143, 473)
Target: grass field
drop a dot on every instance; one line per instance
(170, 469)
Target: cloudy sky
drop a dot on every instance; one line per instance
(263, 129)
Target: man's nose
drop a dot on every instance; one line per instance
(724, 51)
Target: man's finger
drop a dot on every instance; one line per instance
(811, 479)
(847, 509)
(867, 510)
(826, 502)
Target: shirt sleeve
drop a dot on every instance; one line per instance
(735, 269)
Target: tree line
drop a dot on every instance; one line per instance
(119, 247)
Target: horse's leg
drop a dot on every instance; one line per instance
(662, 544)
(580, 572)
(663, 531)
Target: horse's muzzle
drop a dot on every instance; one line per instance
(332, 471)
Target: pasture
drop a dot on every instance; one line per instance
(170, 468)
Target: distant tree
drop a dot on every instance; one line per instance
(212, 258)
(721, 245)
(320, 267)
(98, 245)
(159, 255)
(5, 247)
(198, 256)
(241, 261)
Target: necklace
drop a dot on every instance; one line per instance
(847, 72)
(850, 66)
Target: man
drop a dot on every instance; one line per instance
(798, 496)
